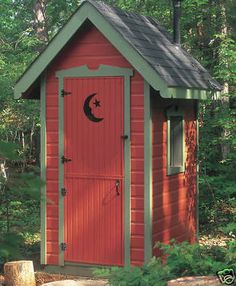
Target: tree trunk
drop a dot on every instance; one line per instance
(225, 149)
(40, 20)
(19, 273)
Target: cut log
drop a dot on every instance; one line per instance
(19, 273)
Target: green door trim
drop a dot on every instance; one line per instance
(197, 171)
(148, 188)
(107, 71)
(43, 158)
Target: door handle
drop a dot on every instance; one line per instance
(117, 187)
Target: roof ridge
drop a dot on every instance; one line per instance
(133, 13)
(114, 7)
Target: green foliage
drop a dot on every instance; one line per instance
(19, 202)
(8, 150)
(31, 246)
(217, 159)
(226, 68)
(10, 244)
(185, 259)
(180, 260)
(229, 229)
(150, 274)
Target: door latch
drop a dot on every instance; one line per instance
(125, 137)
(63, 192)
(63, 246)
(117, 187)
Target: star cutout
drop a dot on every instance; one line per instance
(97, 103)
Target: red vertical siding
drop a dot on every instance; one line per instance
(137, 170)
(174, 210)
(52, 170)
(89, 47)
(93, 210)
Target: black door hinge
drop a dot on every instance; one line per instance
(125, 137)
(64, 93)
(63, 246)
(65, 160)
(63, 192)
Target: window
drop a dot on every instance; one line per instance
(175, 141)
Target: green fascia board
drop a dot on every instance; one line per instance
(88, 11)
(183, 93)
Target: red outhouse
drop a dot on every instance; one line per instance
(118, 138)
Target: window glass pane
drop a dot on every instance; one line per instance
(176, 141)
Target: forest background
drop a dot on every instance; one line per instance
(208, 32)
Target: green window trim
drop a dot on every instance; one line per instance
(175, 112)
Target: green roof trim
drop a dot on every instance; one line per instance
(88, 11)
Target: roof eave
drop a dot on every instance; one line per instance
(191, 93)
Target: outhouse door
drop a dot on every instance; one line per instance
(94, 170)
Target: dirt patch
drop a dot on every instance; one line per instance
(43, 277)
(195, 281)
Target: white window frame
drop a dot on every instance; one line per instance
(175, 111)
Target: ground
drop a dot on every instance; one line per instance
(42, 277)
(209, 238)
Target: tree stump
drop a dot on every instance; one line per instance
(19, 273)
(2, 280)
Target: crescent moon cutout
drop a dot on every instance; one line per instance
(88, 109)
